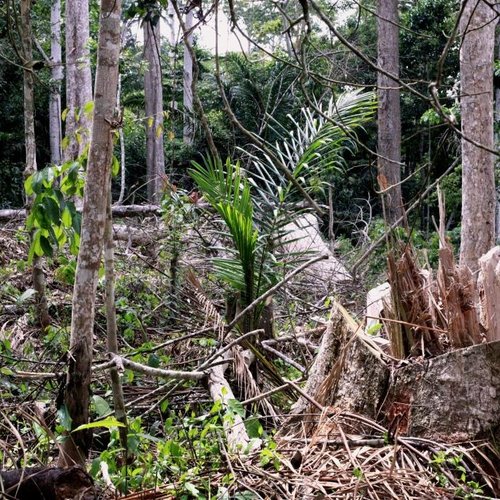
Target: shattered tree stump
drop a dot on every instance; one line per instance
(455, 396)
(451, 397)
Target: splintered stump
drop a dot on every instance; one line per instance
(451, 397)
(455, 396)
(39, 483)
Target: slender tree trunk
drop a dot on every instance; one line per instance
(188, 82)
(78, 78)
(389, 112)
(476, 103)
(122, 149)
(97, 187)
(30, 148)
(153, 90)
(111, 328)
(55, 84)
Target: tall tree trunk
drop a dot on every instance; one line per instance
(497, 135)
(478, 181)
(78, 78)
(389, 111)
(153, 91)
(77, 391)
(111, 327)
(55, 84)
(188, 82)
(30, 148)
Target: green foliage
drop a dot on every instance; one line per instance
(53, 219)
(451, 467)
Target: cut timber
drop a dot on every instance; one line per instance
(363, 378)
(118, 211)
(302, 236)
(40, 483)
(234, 428)
(377, 299)
(489, 292)
(349, 371)
(454, 397)
(334, 338)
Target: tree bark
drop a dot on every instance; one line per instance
(118, 211)
(55, 84)
(111, 327)
(30, 149)
(478, 182)
(389, 111)
(77, 390)
(78, 78)
(153, 91)
(188, 82)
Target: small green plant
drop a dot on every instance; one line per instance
(450, 469)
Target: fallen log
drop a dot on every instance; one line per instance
(118, 211)
(41, 483)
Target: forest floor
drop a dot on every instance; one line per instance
(177, 445)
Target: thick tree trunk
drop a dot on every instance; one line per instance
(55, 84)
(478, 182)
(78, 78)
(30, 147)
(153, 90)
(188, 82)
(77, 392)
(389, 111)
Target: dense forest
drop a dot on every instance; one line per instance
(247, 249)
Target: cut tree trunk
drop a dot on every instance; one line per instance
(234, 427)
(489, 292)
(453, 397)
(118, 211)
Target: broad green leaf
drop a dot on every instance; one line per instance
(106, 423)
(28, 185)
(64, 417)
(115, 166)
(88, 108)
(66, 217)
(64, 114)
(46, 246)
(101, 406)
(52, 210)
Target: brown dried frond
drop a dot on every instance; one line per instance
(211, 312)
